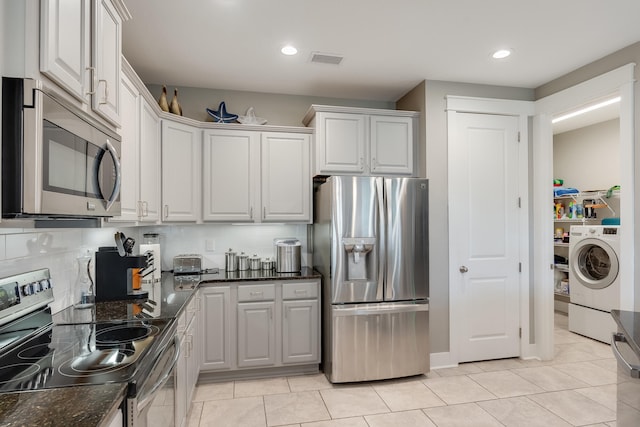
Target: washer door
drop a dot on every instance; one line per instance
(594, 263)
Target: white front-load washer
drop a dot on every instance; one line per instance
(594, 279)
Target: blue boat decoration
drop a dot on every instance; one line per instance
(220, 115)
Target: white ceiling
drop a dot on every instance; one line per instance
(388, 46)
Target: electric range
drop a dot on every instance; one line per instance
(81, 347)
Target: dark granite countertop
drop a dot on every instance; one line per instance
(629, 324)
(80, 406)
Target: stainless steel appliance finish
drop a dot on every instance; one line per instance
(625, 344)
(187, 264)
(57, 162)
(371, 246)
(628, 387)
(230, 260)
(288, 255)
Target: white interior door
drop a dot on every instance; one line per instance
(484, 235)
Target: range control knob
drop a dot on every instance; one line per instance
(27, 290)
(45, 284)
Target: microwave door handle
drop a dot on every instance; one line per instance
(116, 187)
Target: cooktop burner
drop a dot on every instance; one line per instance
(123, 334)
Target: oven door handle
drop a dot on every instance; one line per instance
(147, 398)
(632, 370)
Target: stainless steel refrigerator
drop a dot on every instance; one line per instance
(370, 242)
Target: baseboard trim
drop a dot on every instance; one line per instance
(442, 360)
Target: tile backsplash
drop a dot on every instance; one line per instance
(24, 250)
(213, 240)
(55, 249)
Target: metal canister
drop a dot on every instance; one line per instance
(243, 262)
(254, 262)
(267, 264)
(288, 255)
(230, 260)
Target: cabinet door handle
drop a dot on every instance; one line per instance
(251, 213)
(106, 91)
(264, 212)
(361, 163)
(373, 163)
(91, 71)
(166, 211)
(140, 209)
(145, 208)
(256, 294)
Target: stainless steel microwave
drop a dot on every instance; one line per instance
(57, 162)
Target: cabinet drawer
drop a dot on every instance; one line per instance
(256, 292)
(307, 290)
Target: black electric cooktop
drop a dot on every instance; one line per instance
(70, 355)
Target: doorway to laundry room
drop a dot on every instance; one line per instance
(586, 213)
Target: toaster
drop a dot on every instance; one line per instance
(187, 264)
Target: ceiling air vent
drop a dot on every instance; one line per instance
(326, 58)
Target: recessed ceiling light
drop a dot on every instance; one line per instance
(501, 54)
(289, 50)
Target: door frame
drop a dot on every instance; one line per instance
(523, 110)
(618, 81)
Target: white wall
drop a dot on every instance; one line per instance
(588, 158)
(436, 172)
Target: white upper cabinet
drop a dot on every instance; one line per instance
(362, 141)
(251, 176)
(343, 139)
(64, 47)
(149, 196)
(139, 157)
(181, 159)
(80, 50)
(107, 49)
(230, 175)
(129, 152)
(286, 177)
(391, 145)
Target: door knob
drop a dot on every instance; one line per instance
(463, 269)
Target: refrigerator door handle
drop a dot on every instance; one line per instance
(369, 309)
(382, 237)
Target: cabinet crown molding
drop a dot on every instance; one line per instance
(315, 108)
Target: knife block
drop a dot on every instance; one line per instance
(115, 275)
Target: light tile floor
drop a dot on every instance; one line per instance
(577, 388)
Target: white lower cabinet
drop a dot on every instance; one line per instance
(249, 325)
(180, 385)
(256, 334)
(300, 331)
(216, 327)
(188, 365)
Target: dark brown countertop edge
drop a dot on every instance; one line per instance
(305, 273)
(60, 406)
